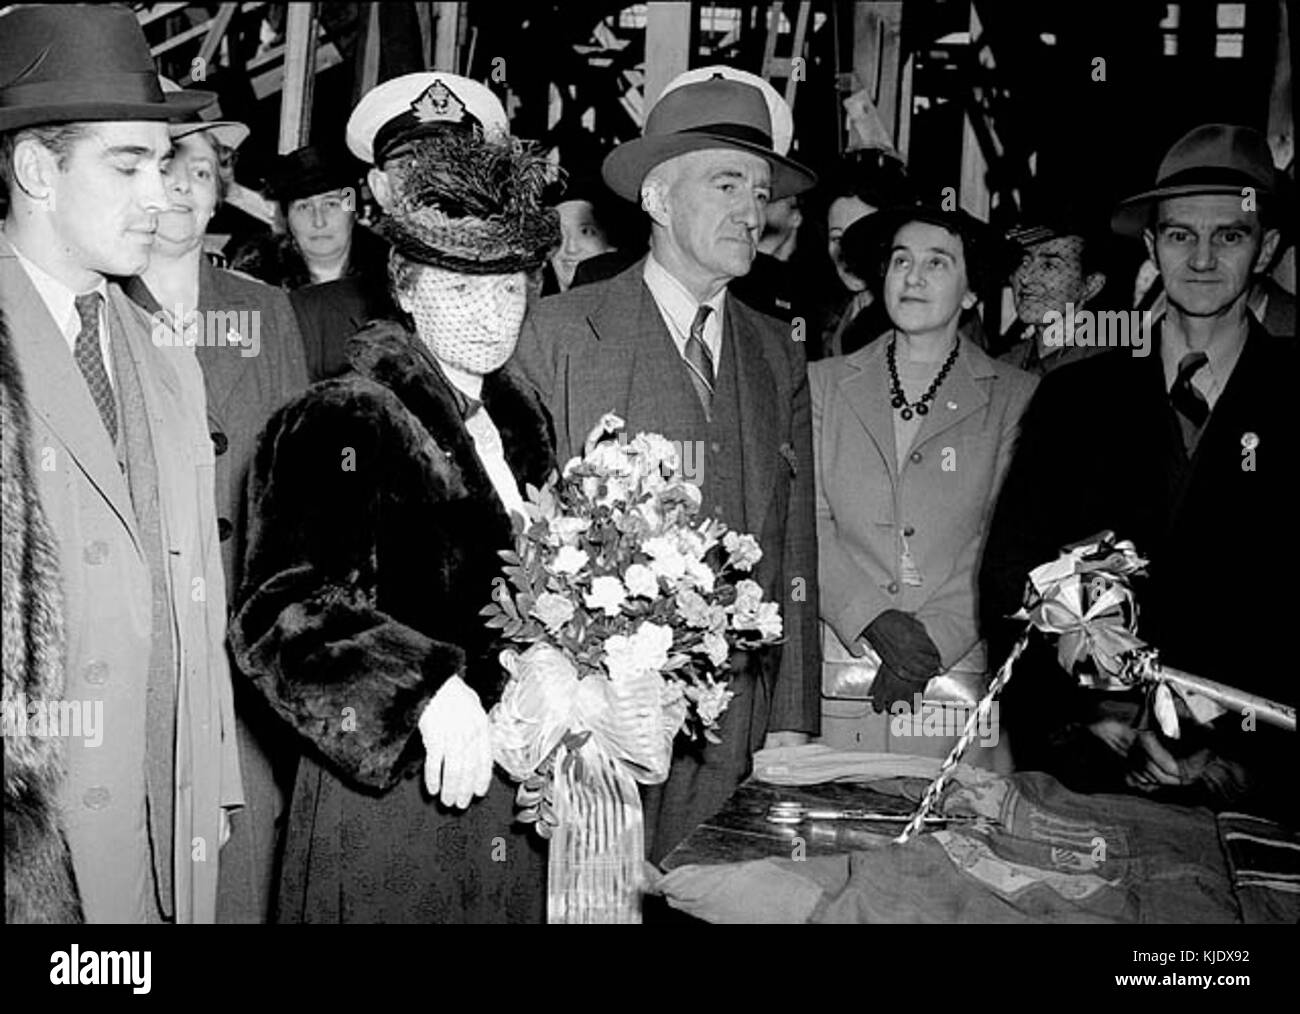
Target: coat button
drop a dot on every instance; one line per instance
(224, 528)
(715, 447)
(95, 552)
(96, 798)
(915, 457)
(97, 673)
(892, 588)
(219, 442)
(908, 530)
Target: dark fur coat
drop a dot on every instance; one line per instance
(39, 882)
(373, 544)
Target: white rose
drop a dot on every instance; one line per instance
(641, 581)
(565, 531)
(553, 610)
(606, 594)
(716, 647)
(748, 595)
(569, 560)
(743, 550)
(665, 561)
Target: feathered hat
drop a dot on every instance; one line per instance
(472, 204)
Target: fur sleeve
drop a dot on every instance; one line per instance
(307, 630)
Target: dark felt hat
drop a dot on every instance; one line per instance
(1214, 158)
(311, 170)
(717, 113)
(66, 63)
(867, 242)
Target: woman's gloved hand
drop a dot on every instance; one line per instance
(908, 657)
(457, 745)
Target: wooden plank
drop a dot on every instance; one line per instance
(157, 11)
(299, 74)
(446, 44)
(800, 29)
(667, 45)
(973, 192)
(424, 13)
(218, 28)
(270, 81)
(179, 40)
(904, 134)
(370, 58)
(877, 38)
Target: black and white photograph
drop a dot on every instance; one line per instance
(661, 464)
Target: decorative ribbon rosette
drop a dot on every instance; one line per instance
(1083, 598)
(631, 608)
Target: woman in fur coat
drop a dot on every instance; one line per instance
(379, 501)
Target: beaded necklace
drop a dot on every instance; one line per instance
(898, 399)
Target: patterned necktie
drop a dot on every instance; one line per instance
(91, 360)
(1192, 407)
(698, 357)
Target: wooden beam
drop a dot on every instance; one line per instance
(667, 45)
(370, 58)
(877, 40)
(800, 29)
(157, 11)
(217, 29)
(270, 81)
(973, 192)
(424, 13)
(299, 75)
(446, 46)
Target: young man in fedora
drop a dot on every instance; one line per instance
(1187, 453)
(668, 348)
(125, 464)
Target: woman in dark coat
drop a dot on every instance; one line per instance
(380, 500)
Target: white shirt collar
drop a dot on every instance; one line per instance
(1221, 356)
(61, 301)
(677, 307)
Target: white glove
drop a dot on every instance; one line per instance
(457, 745)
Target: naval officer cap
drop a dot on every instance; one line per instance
(418, 105)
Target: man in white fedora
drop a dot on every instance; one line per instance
(669, 349)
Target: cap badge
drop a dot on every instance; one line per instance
(438, 104)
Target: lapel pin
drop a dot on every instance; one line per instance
(233, 337)
(952, 406)
(1250, 441)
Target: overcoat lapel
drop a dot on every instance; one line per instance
(609, 380)
(965, 387)
(57, 392)
(224, 366)
(757, 396)
(866, 392)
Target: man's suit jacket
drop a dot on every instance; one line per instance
(940, 498)
(1101, 448)
(595, 349)
(107, 592)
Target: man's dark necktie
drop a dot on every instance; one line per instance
(91, 360)
(698, 357)
(1190, 404)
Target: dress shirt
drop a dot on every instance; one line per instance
(61, 301)
(1211, 378)
(677, 307)
(487, 442)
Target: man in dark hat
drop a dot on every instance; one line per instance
(667, 347)
(1186, 453)
(120, 430)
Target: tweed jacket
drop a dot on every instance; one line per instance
(588, 353)
(107, 593)
(939, 499)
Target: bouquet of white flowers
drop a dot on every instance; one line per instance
(631, 606)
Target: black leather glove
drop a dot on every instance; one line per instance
(903, 643)
(889, 687)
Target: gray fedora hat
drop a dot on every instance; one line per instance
(64, 63)
(717, 113)
(1214, 158)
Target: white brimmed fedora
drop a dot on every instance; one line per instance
(716, 113)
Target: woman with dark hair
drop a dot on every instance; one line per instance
(861, 182)
(380, 500)
(912, 435)
(245, 337)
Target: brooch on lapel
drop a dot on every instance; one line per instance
(1250, 441)
(787, 451)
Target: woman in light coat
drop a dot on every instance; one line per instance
(912, 435)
